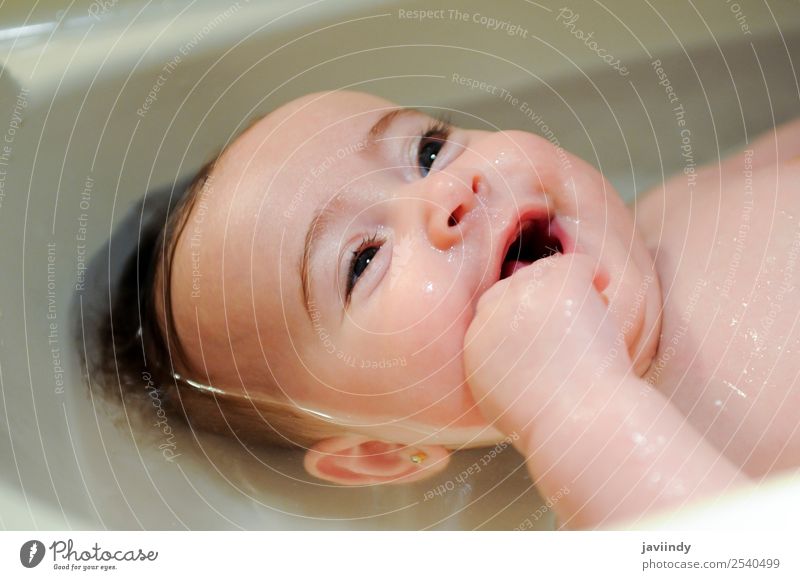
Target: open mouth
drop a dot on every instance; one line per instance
(535, 240)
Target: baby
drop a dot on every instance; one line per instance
(381, 288)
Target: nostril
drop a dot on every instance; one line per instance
(476, 184)
(456, 217)
(463, 208)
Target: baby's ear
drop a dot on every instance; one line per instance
(352, 459)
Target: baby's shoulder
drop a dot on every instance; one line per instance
(768, 168)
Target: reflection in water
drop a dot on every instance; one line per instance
(475, 492)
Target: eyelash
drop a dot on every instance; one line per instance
(440, 124)
(368, 242)
(438, 130)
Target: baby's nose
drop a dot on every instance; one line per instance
(449, 198)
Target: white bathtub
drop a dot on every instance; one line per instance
(108, 100)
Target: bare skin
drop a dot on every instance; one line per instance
(717, 406)
(734, 372)
(404, 355)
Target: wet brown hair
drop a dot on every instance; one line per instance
(139, 347)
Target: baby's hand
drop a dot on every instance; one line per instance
(545, 361)
(542, 332)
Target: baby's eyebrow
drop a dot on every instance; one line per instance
(324, 215)
(384, 122)
(319, 221)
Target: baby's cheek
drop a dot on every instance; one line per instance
(406, 302)
(420, 314)
(415, 326)
(417, 354)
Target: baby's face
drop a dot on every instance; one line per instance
(341, 244)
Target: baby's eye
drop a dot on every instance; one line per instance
(430, 144)
(361, 258)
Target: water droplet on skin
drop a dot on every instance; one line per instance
(734, 388)
(677, 488)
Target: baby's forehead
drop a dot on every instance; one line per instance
(273, 172)
(325, 115)
(280, 158)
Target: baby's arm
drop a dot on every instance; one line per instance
(543, 361)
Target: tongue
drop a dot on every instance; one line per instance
(511, 266)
